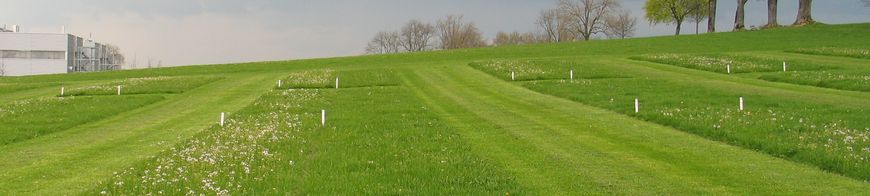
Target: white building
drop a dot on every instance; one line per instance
(24, 54)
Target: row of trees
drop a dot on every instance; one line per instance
(678, 11)
(570, 20)
(451, 32)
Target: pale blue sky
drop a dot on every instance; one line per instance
(181, 32)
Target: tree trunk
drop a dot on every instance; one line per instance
(711, 20)
(738, 18)
(804, 16)
(771, 14)
(679, 26)
(696, 27)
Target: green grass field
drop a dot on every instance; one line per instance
(457, 123)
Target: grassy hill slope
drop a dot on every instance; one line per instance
(430, 123)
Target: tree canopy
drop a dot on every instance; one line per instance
(672, 11)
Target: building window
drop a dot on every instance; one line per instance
(14, 54)
(47, 54)
(20, 54)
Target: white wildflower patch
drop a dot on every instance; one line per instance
(310, 78)
(223, 160)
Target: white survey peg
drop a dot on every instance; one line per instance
(222, 119)
(513, 76)
(741, 103)
(322, 117)
(61, 91)
(784, 66)
(728, 68)
(636, 106)
(119, 89)
(336, 82)
(279, 83)
(571, 73)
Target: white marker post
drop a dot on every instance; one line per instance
(741, 103)
(279, 83)
(322, 117)
(336, 82)
(119, 89)
(728, 68)
(572, 74)
(636, 106)
(222, 119)
(784, 66)
(513, 76)
(61, 91)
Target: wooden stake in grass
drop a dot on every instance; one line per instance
(728, 68)
(119, 89)
(61, 91)
(513, 76)
(322, 117)
(222, 119)
(336, 82)
(636, 106)
(784, 66)
(279, 83)
(741, 103)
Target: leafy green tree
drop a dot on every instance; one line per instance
(739, 15)
(711, 19)
(672, 11)
(805, 13)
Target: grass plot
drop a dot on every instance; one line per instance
(739, 63)
(537, 69)
(144, 85)
(862, 53)
(326, 78)
(32, 118)
(836, 138)
(376, 141)
(854, 80)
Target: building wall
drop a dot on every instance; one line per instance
(33, 53)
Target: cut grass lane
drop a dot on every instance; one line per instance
(554, 145)
(76, 159)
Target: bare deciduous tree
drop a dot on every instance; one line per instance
(454, 33)
(384, 43)
(516, 38)
(416, 36)
(587, 16)
(554, 24)
(116, 55)
(620, 26)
